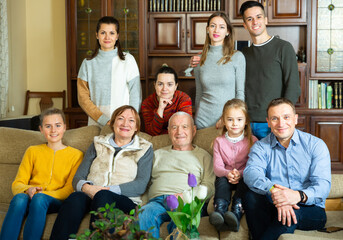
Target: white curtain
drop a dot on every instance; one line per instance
(4, 65)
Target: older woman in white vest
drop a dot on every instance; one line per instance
(116, 168)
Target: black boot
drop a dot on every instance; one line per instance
(217, 217)
(233, 218)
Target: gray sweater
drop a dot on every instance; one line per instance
(216, 84)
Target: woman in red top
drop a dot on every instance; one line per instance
(161, 105)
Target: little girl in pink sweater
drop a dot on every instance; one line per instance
(230, 155)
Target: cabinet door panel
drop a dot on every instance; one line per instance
(287, 11)
(235, 5)
(167, 33)
(302, 101)
(303, 124)
(196, 32)
(330, 130)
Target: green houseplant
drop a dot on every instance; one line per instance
(113, 223)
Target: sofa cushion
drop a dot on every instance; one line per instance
(336, 186)
(335, 219)
(8, 173)
(18, 140)
(14, 143)
(81, 138)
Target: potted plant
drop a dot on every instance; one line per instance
(186, 216)
(113, 223)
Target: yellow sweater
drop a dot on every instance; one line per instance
(53, 171)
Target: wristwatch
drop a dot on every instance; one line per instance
(302, 196)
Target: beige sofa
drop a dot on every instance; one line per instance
(14, 142)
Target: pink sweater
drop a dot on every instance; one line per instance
(228, 155)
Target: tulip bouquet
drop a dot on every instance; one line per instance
(186, 216)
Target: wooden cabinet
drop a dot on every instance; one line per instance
(167, 33)
(330, 129)
(177, 33)
(302, 101)
(81, 20)
(286, 11)
(279, 12)
(328, 126)
(303, 123)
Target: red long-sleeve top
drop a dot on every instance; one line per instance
(154, 124)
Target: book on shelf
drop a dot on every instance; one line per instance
(340, 95)
(157, 9)
(323, 97)
(329, 97)
(315, 94)
(336, 94)
(319, 92)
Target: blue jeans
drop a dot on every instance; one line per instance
(153, 214)
(35, 209)
(262, 215)
(260, 130)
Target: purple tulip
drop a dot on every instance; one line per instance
(192, 181)
(172, 202)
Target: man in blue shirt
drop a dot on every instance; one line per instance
(289, 176)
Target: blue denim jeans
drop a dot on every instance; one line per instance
(262, 215)
(260, 130)
(153, 214)
(35, 209)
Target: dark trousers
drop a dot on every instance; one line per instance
(78, 204)
(262, 217)
(224, 189)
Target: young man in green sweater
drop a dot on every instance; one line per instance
(271, 68)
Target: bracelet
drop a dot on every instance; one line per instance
(271, 188)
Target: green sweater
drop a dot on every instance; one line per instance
(171, 167)
(271, 72)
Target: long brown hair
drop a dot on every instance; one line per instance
(239, 104)
(228, 45)
(107, 20)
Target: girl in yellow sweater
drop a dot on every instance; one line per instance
(43, 181)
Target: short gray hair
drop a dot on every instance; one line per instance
(180, 113)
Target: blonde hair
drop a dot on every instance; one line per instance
(228, 45)
(239, 104)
